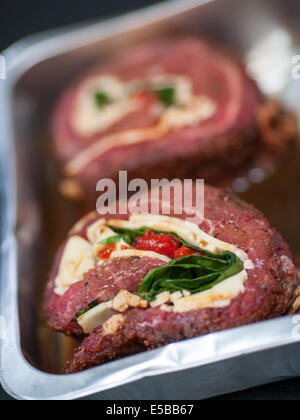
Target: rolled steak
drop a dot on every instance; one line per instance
(145, 313)
(99, 285)
(174, 108)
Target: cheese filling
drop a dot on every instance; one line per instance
(78, 258)
(81, 255)
(188, 231)
(87, 119)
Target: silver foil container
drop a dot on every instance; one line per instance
(34, 218)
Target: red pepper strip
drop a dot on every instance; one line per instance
(163, 244)
(185, 251)
(106, 252)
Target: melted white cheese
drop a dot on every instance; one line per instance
(199, 109)
(90, 120)
(102, 312)
(188, 231)
(96, 317)
(217, 297)
(172, 117)
(127, 253)
(78, 258)
(221, 294)
(87, 119)
(98, 232)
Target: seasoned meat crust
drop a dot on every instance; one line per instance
(243, 125)
(100, 284)
(270, 289)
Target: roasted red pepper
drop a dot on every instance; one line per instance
(164, 244)
(147, 97)
(184, 251)
(106, 252)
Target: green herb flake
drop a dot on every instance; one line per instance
(91, 305)
(81, 312)
(166, 95)
(101, 99)
(128, 235)
(111, 240)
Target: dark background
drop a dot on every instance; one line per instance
(19, 18)
(22, 18)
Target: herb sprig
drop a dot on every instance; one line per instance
(128, 235)
(193, 273)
